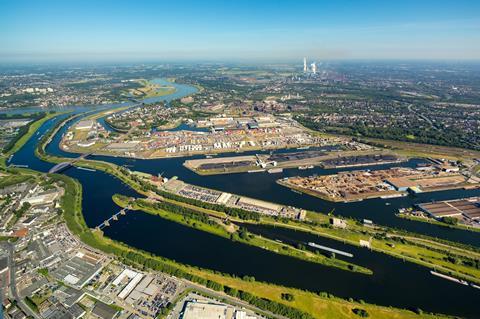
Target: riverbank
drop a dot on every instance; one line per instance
(442, 256)
(433, 221)
(149, 89)
(25, 137)
(198, 220)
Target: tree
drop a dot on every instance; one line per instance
(288, 297)
(361, 312)
(450, 220)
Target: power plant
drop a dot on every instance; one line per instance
(313, 67)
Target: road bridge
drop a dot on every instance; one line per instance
(64, 165)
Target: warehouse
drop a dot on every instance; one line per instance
(469, 208)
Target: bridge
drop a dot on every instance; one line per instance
(114, 217)
(64, 165)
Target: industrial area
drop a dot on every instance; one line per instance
(139, 138)
(350, 186)
(48, 273)
(350, 154)
(179, 187)
(461, 212)
(195, 306)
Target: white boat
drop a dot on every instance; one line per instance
(459, 281)
(275, 170)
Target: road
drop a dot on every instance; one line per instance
(13, 285)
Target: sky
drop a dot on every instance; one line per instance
(230, 30)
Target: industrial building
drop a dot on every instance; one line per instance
(204, 310)
(79, 270)
(104, 311)
(468, 208)
(84, 125)
(211, 310)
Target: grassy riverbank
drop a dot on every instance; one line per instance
(198, 220)
(438, 223)
(443, 256)
(149, 89)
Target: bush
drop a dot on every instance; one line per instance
(450, 220)
(361, 312)
(287, 297)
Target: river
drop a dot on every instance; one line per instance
(394, 282)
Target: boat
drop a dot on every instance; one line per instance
(86, 169)
(459, 281)
(303, 148)
(275, 170)
(302, 167)
(393, 196)
(256, 171)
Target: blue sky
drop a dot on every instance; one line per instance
(234, 30)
